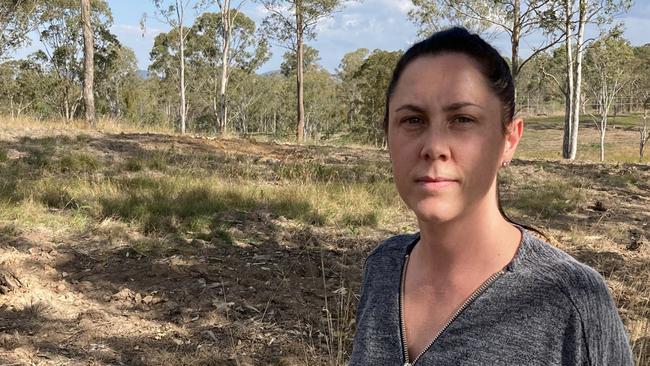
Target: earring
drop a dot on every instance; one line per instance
(505, 163)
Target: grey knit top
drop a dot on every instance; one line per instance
(545, 308)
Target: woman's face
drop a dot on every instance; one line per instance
(445, 137)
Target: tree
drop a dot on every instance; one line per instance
(373, 77)
(228, 23)
(289, 64)
(291, 22)
(537, 83)
(17, 19)
(348, 89)
(522, 20)
(597, 12)
(60, 34)
(20, 86)
(608, 72)
(172, 12)
(221, 42)
(644, 134)
(641, 92)
(89, 56)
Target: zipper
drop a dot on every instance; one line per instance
(401, 312)
(472, 297)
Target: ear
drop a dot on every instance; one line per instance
(513, 136)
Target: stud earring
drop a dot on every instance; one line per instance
(505, 163)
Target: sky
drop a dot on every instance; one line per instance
(372, 24)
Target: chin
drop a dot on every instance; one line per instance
(435, 213)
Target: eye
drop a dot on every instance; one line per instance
(412, 121)
(463, 120)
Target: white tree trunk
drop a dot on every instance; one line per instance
(226, 21)
(299, 74)
(568, 94)
(575, 123)
(89, 68)
(180, 12)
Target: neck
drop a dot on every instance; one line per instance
(479, 242)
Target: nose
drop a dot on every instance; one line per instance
(435, 145)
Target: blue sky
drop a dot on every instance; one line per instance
(371, 24)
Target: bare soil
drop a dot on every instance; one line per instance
(278, 292)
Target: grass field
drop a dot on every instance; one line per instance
(123, 247)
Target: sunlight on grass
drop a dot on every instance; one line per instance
(547, 199)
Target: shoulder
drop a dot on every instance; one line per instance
(395, 246)
(576, 280)
(585, 291)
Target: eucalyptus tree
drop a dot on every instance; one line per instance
(641, 92)
(60, 35)
(574, 15)
(246, 50)
(540, 84)
(373, 77)
(230, 36)
(322, 107)
(174, 13)
(348, 88)
(522, 20)
(289, 64)
(89, 63)
(608, 72)
(291, 22)
(118, 78)
(22, 85)
(17, 19)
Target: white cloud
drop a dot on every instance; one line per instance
(403, 6)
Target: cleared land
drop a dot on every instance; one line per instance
(154, 249)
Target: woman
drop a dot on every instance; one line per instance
(471, 288)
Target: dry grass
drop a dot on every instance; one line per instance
(251, 252)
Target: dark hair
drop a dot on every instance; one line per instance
(457, 39)
(491, 64)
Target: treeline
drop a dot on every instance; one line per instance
(582, 76)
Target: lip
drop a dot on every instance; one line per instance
(435, 182)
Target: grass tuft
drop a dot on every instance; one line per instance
(548, 199)
(77, 163)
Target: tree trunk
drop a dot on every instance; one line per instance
(275, 122)
(516, 34)
(575, 123)
(66, 106)
(568, 93)
(602, 139)
(180, 14)
(299, 74)
(645, 135)
(89, 69)
(226, 20)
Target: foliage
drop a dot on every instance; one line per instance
(608, 72)
(289, 63)
(17, 19)
(374, 75)
(521, 20)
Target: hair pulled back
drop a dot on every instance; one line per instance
(457, 39)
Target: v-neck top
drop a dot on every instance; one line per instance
(545, 309)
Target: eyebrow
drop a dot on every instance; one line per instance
(452, 107)
(459, 105)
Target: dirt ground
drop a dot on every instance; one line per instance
(277, 292)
